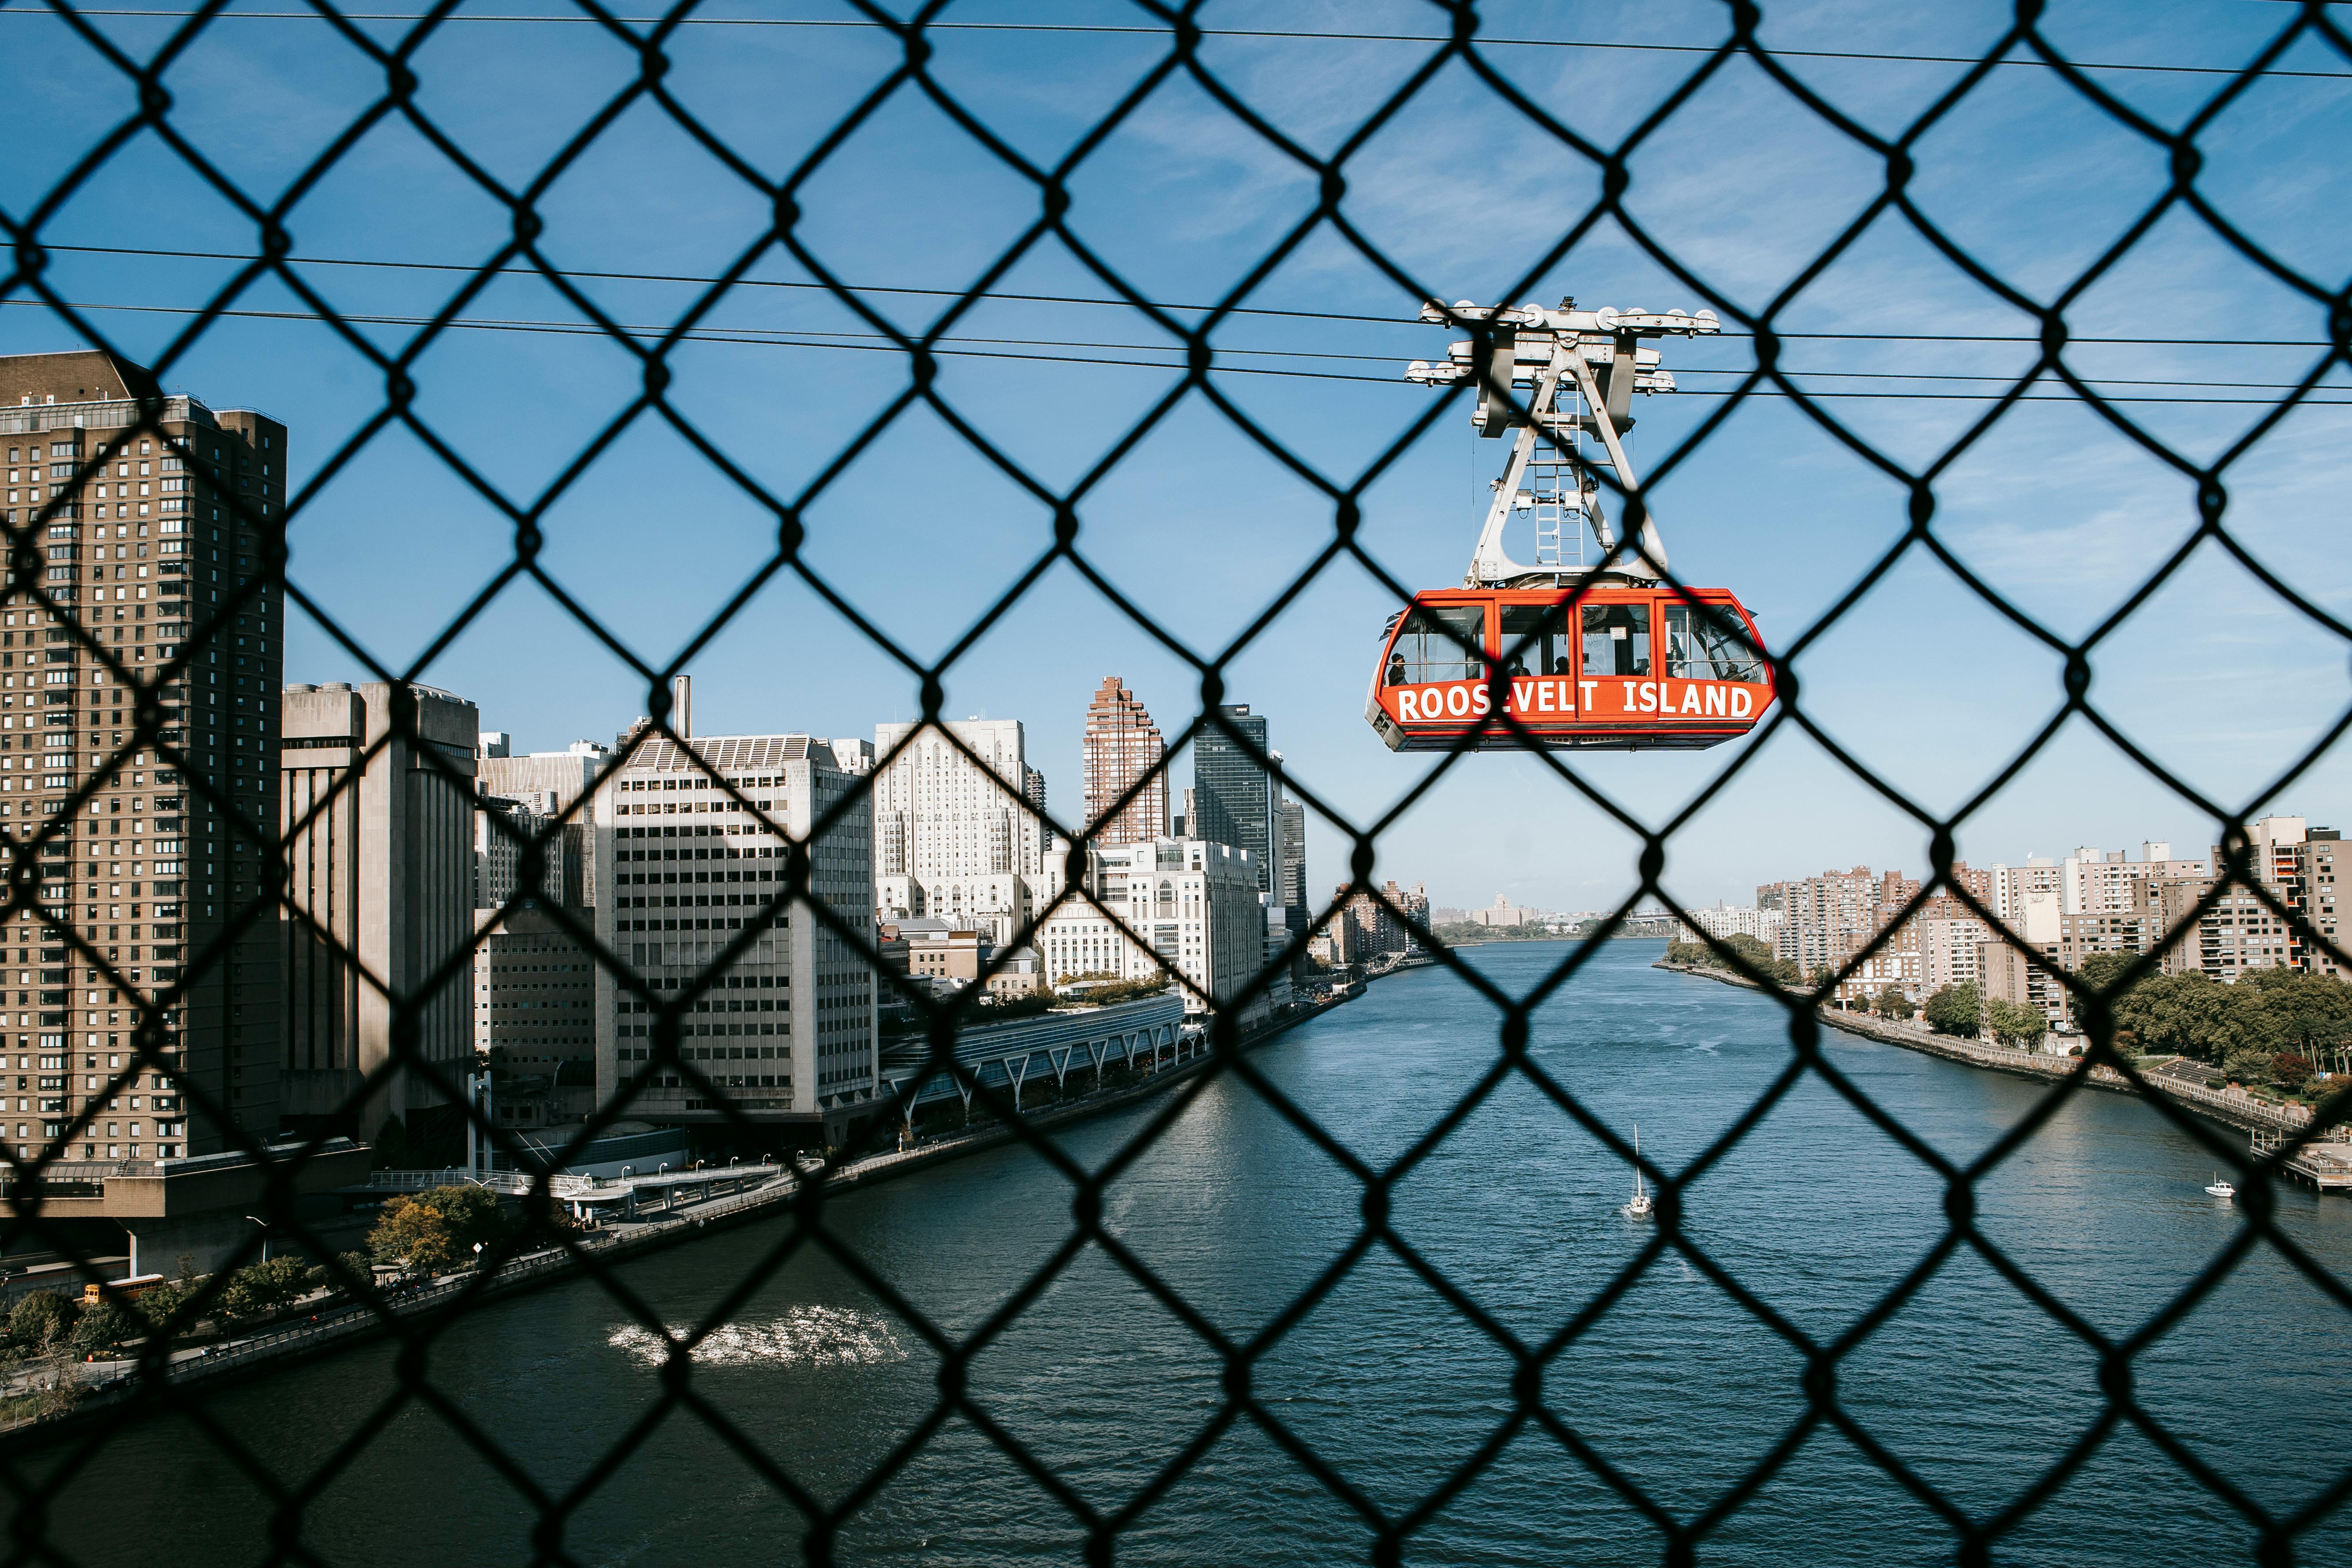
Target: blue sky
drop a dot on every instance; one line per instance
(1198, 524)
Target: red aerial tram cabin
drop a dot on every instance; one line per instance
(1556, 654)
(1613, 667)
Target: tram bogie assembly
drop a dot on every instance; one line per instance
(1554, 654)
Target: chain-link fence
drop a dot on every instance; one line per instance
(180, 1028)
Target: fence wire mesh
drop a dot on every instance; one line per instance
(165, 1010)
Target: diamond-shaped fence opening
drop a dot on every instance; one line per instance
(199, 955)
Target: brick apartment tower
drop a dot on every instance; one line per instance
(146, 535)
(1121, 745)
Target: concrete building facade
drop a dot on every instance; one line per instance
(535, 1018)
(503, 830)
(378, 826)
(547, 785)
(786, 1031)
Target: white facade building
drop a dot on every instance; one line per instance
(1195, 905)
(1729, 920)
(955, 839)
(2011, 885)
(787, 1033)
(1503, 913)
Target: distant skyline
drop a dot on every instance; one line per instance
(1198, 525)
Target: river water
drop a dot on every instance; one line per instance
(1816, 1210)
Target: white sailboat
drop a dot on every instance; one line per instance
(1640, 1207)
(2219, 1188)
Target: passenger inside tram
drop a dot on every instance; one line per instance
(1704, 647)
(1535, 640)
(1437, 644)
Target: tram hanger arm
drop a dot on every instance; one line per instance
(1652, 563)
(1488, 563)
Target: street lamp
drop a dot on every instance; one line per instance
(265, 1235)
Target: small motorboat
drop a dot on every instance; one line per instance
(2219, 1188)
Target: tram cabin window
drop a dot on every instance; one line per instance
(1431, 647)
(1535, 640)
(1616, 639)
(1709, 646)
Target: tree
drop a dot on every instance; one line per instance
(2310, 1012)
(103, 1328)
(2100, 969)
(2017, 1024)
(2290, 1070)
(1956, 1010)
(260, 1289)
(411, 1233)
(39, 1323)
(2194, 1016)
(1892, 1004)
(162, 1305)
(471, 1212)
(436, 1229)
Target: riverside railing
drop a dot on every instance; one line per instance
(1535, 226)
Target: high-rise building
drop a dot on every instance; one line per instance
(378, 827)
(786, 1033)
(1233, 793)
(1948, 937)
(1294, 855)
(956, 839)
(1377, 928)
(1122, 744)
(1825, 919)
(2294, 865)
(153, 536)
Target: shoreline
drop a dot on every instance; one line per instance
(128, 1396)
(2239, 1110)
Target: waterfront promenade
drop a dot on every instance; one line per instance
(2326, 1165)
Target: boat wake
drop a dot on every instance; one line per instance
(804, 1336)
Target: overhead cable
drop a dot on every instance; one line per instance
(1249, 32)
(748, 337)
(1120, 304)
